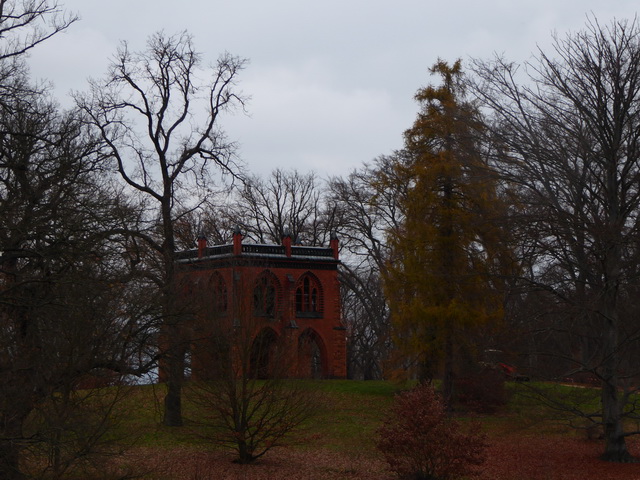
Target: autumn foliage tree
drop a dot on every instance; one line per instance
(438, 278)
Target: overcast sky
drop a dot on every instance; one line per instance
(331, 82)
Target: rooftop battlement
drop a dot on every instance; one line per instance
(237, 248)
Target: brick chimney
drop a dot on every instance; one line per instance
(286, 241)
(333, 243)
(202, 244)
(237, 241)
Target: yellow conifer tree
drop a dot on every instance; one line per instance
(439, 280)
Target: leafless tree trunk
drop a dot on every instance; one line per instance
(144, 111)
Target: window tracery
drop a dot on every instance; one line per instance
(265, 296)
(308, 296)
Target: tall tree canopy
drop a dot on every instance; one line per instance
(438, 275)
(286, 201)
(63, 285)
(158, 113)
(62, 279)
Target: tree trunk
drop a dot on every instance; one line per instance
(174, 359)
(447, 378)
(10, 450)
(615, 449)
(426, 369)
(173, 404)
(172, 317)
(612, 407)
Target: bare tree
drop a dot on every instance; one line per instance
(365, 309)
(567, 144)
(161, 129)
(247, 401)
(24, 24)
(366, 210)
(60, 318)
(62, 282)
(364, 214)
(286, 201)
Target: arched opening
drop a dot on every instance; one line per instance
(219, 295)
(263, 351)
(265, 296)
(312, 362)
(308, 296)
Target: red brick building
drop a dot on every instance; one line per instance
(287, 294)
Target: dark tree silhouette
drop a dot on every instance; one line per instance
(161, 126)
(568, 146)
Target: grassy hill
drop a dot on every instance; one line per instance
(527, 440)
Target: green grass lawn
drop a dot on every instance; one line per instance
(346, 416)
(348, 413)
(351, 413)
(342, 434)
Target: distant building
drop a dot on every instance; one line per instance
(288, 295)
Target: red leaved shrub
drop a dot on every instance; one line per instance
(419, 442)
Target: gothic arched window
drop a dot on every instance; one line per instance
(309, 297)
(219, 294)
(265, 296)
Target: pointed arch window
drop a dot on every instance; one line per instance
(265, 296)
(308, 297)
(219, 294)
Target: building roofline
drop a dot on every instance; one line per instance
(256, 250)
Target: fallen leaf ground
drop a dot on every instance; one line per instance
(510, 457)
(553, 457)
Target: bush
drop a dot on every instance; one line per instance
(238, 410)
(419, 442)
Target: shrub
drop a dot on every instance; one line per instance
(419, 442)
(236, 409)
